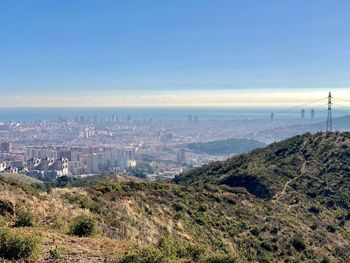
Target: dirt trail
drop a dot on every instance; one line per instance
(282, 193)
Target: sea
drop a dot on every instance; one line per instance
(163, 113)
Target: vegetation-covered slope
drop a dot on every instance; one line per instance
(226, 147)
(288, 202)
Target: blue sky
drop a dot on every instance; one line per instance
(143, 51)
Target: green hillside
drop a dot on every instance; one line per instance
(226, 147)
(19, 179)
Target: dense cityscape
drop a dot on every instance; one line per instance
(152, 148)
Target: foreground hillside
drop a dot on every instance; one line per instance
(287, 202)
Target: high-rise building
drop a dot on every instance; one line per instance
(130, 153)
(181, 157)
(6, 147)
(92, 163)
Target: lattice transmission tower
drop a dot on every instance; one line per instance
(329, 114)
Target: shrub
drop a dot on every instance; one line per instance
(148, 254)
(314, 209)
(298, 244)
(203, 207)
(6, 208)
(218, 257)
(325, 260)
(167, 250)
(56, 221)
(195, 251)
(15, 247)
(56, 252)
(83, 226)
(255, 231)
(170, 247)
(331, 229)
(179, 207)
(24, 219)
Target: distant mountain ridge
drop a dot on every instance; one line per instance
(226, 147)
(280, 133)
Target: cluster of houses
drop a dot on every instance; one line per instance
(39, 168)
(4, 167)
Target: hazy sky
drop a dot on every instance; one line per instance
(176, 52)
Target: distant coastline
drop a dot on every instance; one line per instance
(147, 113)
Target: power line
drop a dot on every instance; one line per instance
(301, 105)
(341, 99)
(341, 106)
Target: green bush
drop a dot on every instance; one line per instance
(325, 260)
(84, 226)
(15, 247)
(172, 250)
(195, 252)
(218, 257)
(315, 210)
(24, 219)
(298, 244)
(56, 252)
(6, 208)
(147, 254)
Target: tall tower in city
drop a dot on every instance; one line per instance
(189, 118)
(302, 114)
(312, 114)
(272, 117)
(181, 157)
(6, 147)
(329, 114)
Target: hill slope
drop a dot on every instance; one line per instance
(288, 202)
(321, 160)
(226, 147)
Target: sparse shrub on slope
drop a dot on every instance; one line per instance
(84, 226)
(56, 252)
(298, 243)
(171, 250)
(146, 254)
(219, 257)
(6, 208)
(15, 247)
(24, 218)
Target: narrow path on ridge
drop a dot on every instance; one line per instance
(282, 193)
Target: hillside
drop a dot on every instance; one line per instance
(19, 179)
(226, 147)
(288, 202)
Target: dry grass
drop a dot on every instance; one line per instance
(74, 249)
